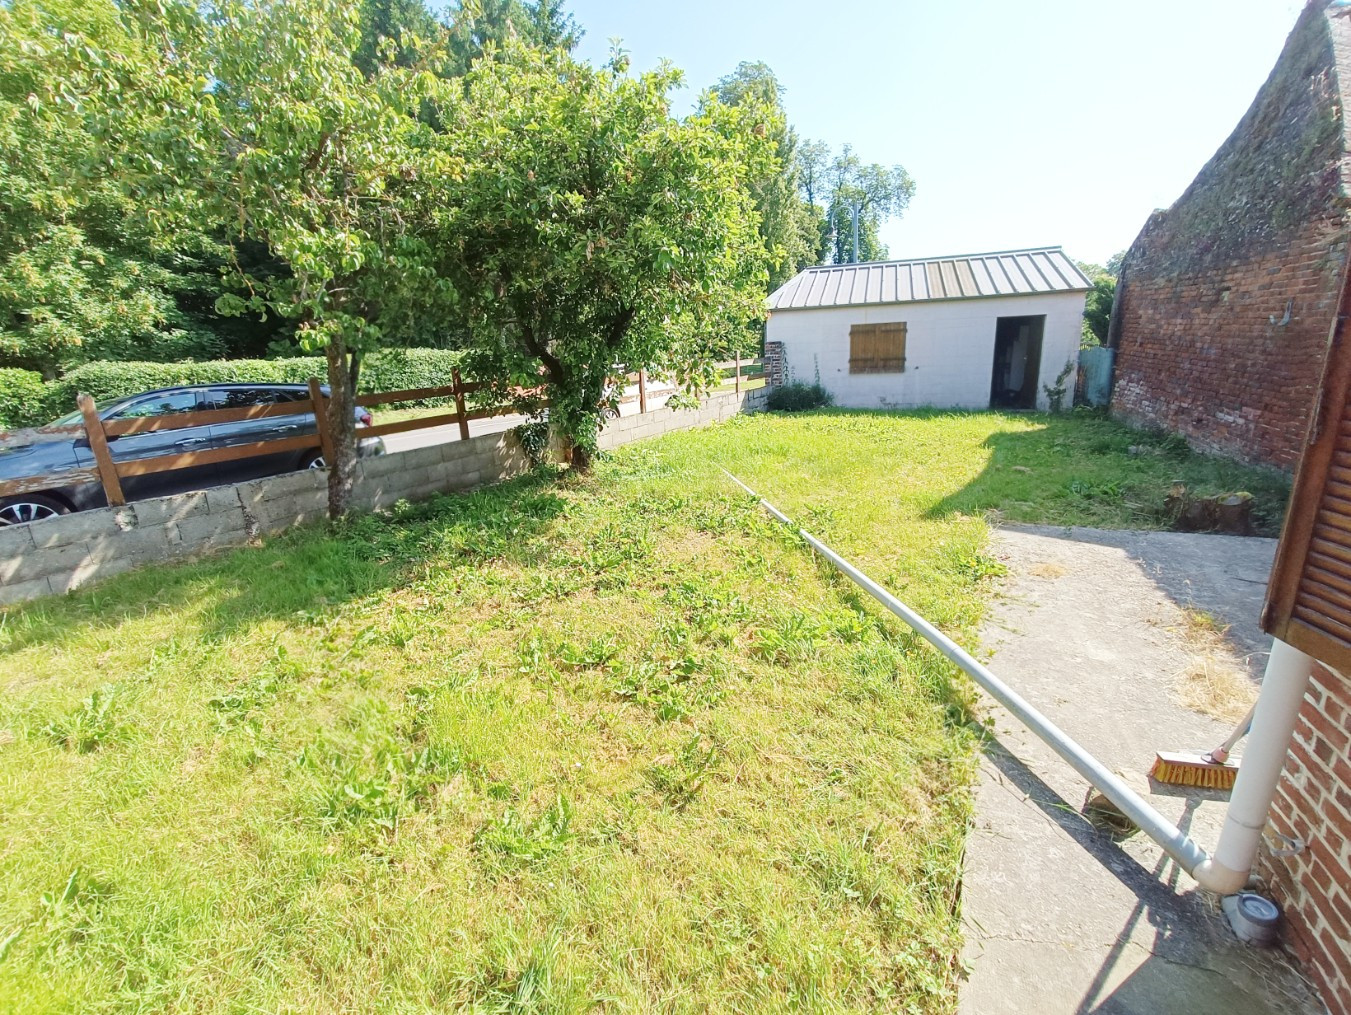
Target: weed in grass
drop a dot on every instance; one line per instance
(679, 777)
(376, 787)
(512, 840)
(239, 706)
(95, 723)
(793, 637)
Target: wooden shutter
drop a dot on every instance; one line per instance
(1309, 595)
(877, 348)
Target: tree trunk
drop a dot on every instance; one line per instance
(342, 427)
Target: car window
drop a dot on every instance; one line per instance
(239, 398)
(159, 405)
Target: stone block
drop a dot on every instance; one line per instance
(38, 563)
(223, 498)
(213, 528)
(95, 570)
(81, 525)
(19, 592)
(144, 546)
(16, 540)
(166, 510)
(292, 483)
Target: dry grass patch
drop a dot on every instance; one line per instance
(1214, 681)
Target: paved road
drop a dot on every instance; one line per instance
(656, 397)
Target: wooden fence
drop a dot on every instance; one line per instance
(110, 473)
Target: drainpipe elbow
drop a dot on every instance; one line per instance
(1216, 877)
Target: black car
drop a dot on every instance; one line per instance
(62, 453)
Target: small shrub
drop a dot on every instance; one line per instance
(21, 399)
(1055, 393)
(798, 396)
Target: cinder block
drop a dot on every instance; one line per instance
(75, 528)
(223, 498)
(142, 545)
(20, 592)
(94, 570)
(38, 563)
(16, 540)
(164, 510)
(301, 482)
(201, 531)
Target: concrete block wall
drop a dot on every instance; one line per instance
(61, 554)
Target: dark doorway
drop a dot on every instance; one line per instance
(1017, 362)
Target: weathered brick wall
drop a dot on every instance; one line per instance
(1313, 803)
(1203, 346)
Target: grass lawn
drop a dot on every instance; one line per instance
(613, 743)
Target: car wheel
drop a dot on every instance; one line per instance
(314, 461)
(30, 507)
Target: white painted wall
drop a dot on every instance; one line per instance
(949, 348)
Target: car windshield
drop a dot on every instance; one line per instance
(69, 419)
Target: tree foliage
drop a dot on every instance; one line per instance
(790, 224)
(1099, 300)
(590, 228)
(878, 192)
(79, 280)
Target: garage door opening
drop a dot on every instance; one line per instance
(1017, 362)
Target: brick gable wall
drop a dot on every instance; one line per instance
(1202, 349)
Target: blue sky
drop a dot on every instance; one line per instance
(1023, 123)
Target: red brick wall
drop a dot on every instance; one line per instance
(1198, 355)
(1313, 803)
(1200, 347)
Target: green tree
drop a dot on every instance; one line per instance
(479, 25)
(78, 279)
(789, 223)
(1098, 301)
(257, 124)
(590, 228)
(878, 192)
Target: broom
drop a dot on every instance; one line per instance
(1209, 771)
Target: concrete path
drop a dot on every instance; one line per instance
(1058, 917)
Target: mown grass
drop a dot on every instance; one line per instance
(560, 745)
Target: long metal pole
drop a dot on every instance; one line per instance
(1174, 841)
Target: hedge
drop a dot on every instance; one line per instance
(390, 370)
(22, 395)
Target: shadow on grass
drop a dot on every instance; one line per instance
(306, 573)
(1085, 469)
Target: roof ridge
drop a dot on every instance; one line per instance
(936, 257)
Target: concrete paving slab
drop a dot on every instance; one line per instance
(1059, 917)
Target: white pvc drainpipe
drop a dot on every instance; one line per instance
(1273, 724)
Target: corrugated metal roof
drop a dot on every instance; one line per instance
(964, 276)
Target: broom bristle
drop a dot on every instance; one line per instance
(1192, 770)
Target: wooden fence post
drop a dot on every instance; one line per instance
(320, 404)
(459, 403)
(738, 372)
(98, 443)
(642, 391)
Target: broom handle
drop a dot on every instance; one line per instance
(1221, 754)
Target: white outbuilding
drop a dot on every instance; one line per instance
(971, 331)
